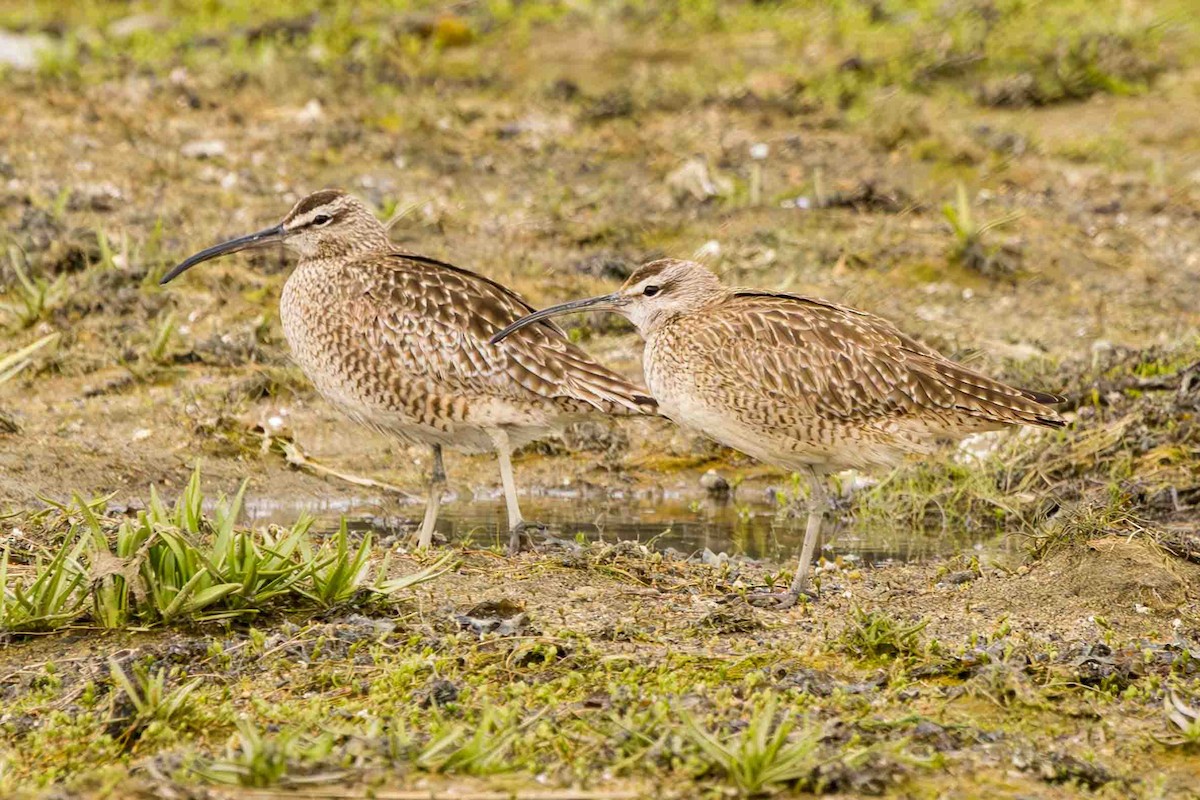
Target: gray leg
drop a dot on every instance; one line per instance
(504, 454)
(437, 482)
(516, 523)
(818, 500)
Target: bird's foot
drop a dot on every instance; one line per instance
(521, 534)
(418, 543)
(779, 601)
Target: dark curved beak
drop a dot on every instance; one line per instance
(605, 302)
(260, 239)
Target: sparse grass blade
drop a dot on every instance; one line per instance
(270, 567)
(148, 694)
(338, 574)
(971, 248)
(188, 514)
(35, 297)
(483, 751)
(192, 602)
(13, 363)
(105, 248)
(394, 585)
(873, 634)
(53, 598)
(164, 333)
(259, 760)
(110, 594)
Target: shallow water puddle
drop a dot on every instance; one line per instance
(757, 529)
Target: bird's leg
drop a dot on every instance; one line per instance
(516, 523)
(437, 482)
(818, 501)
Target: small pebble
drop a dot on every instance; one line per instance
(204, 148)
(714, 483)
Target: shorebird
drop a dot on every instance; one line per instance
(799, 383)
(399, 343)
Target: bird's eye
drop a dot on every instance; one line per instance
(322, 219)
(650, 291)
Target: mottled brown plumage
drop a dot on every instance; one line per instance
(399, 343)
(800, 383)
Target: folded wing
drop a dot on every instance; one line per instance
(852, 367)
(435, 319)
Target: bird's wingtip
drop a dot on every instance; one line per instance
(1045, 398)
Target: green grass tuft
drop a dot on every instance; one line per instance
(770, 752)
(171, 565)
(876, 635)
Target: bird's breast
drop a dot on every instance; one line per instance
(324, 332)
(670, 374)
(313, 323)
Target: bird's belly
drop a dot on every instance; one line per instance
(770, 446)
(680, 401)
(413, 408)
(794, 443)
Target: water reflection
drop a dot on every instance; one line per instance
(690, 525)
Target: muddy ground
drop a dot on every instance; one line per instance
(554, 147)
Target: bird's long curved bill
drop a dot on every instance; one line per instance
(259, 239)
(603, 301)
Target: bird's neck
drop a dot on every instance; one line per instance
(327, 263)
(372, 240)
(657, 319)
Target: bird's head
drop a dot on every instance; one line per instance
(654, 293)
(326, 224)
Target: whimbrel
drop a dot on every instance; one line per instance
(399, 343)
(800, 383)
